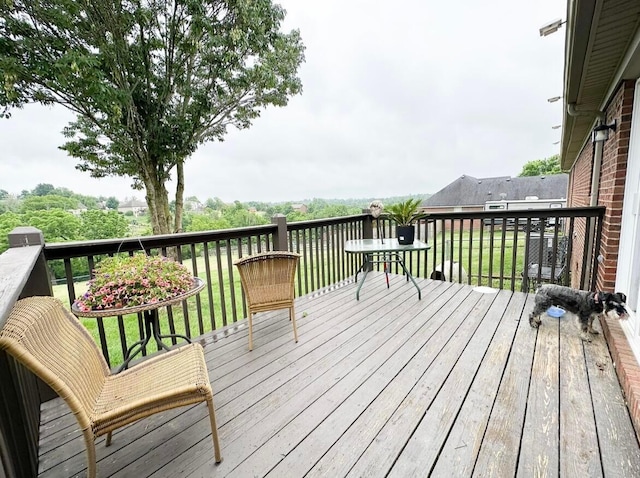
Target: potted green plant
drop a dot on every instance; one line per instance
(406, 214)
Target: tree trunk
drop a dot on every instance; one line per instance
(179, 197)
(157, 199)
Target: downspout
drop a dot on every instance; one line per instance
(598, 149)
(573, 111)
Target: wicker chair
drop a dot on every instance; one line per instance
(50, 341)
(268, 283)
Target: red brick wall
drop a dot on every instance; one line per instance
(580, 181)
(610, 192)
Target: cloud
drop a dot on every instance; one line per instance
(397, 98)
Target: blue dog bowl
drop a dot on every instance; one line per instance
(556, 312)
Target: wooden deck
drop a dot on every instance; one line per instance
(456, 384)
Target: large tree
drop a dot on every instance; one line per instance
(103, 224)
(149, 80)
(540, 167)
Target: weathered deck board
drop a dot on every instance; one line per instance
(578, 439)
(454, 384)
(498, 455)
(540, 436)
(463, 443)
(370, 405)
(399, 430)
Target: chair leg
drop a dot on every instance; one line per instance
(292, 318)
(250, 330)
(214, 430)
(108, 440)
(89, 441)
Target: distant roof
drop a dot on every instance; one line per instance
(470, 191)
(132, 203)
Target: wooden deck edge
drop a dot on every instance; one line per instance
(626, 365)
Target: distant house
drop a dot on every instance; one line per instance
(133, 205)
(302, 208)
(470, 194)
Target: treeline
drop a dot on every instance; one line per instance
(63, 215)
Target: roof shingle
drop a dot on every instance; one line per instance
(470, 191)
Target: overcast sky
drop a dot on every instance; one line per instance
(399, 98)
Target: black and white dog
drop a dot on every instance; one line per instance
(586, 305)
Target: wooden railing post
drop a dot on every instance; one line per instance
(280, 237)
(367, 225)
(39, 282)
(23, 272)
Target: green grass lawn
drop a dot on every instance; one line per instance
(485, 260)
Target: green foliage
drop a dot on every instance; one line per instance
(103, 225)
(542, 167)
(10, 204)
(4, 194)
(43, 189)
(88, 202)
(8, 222)
(149, 81)
(405, 213)
(56, 225)
(112, 203)
(206, 222)
(215, 204)
(41, 203)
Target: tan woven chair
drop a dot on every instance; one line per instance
(51, 342)
(268, 283)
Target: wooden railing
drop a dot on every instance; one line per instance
(494, 249)
(498, 248)
(210, 256)
(482, 248)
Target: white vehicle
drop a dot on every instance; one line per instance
(523, 205)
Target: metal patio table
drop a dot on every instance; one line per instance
(383, 251)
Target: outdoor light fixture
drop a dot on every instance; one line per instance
(601, 132)
(551, 27)
(554, 99)
(556, 126)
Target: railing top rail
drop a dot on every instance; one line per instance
(16, 265)
(295, 226)
(62, 250)
(596, 211)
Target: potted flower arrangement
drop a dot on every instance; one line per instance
(405, 214)
(131, 281)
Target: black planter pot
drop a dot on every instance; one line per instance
(405, 234)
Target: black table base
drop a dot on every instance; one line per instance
(152, 330)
